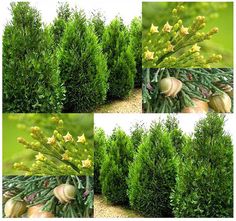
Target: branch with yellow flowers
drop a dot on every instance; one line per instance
(175, 45)
(58, 154)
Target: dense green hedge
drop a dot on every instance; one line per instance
(65, 66)
(171, 174)
(204, 186)
(115, 167)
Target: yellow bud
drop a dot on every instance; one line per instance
(35, 129)
(214, 30)
(40, 157)
(174, 11)
(21, 140)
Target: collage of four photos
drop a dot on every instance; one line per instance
(109, 112)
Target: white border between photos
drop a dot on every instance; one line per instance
(138, 1)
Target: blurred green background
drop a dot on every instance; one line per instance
(218, 14)
(15, 125)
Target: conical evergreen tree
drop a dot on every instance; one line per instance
(98, 22)
(177, 137)
(137, 134)
(30, 77)
(204, 185)
(59, 24)
(120, 58)
(152, 175)
(114, 170)
(99, 155)
(82, 66)
(136, 44)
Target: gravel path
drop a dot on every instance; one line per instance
(102, 209)
(132, 104)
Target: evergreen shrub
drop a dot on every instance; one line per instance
(152, 174)
(120, 59)
(204, 182)
(31, 80)
(136, 44)
(114, 170)
(99, 155)
(83, 67)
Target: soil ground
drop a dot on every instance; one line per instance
(131, 104)
(102, 209)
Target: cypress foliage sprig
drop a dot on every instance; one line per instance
(38, 190)
(196, 83)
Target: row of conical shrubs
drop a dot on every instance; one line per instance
(162, 172)
(72, 65)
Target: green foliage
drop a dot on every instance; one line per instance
(136, 44)
(58, 153)
(204, 182)
(189, 11)
(59, 24)
(39, 190)
(62, 67)
(197, 83)
(120, 59)
(137, 134)
(100, 143)
(172, 40)
(82, 66)
(178, 139)
(75, 123)
(114, 170)
(31, 81)
(98, 22)
(152, 174)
